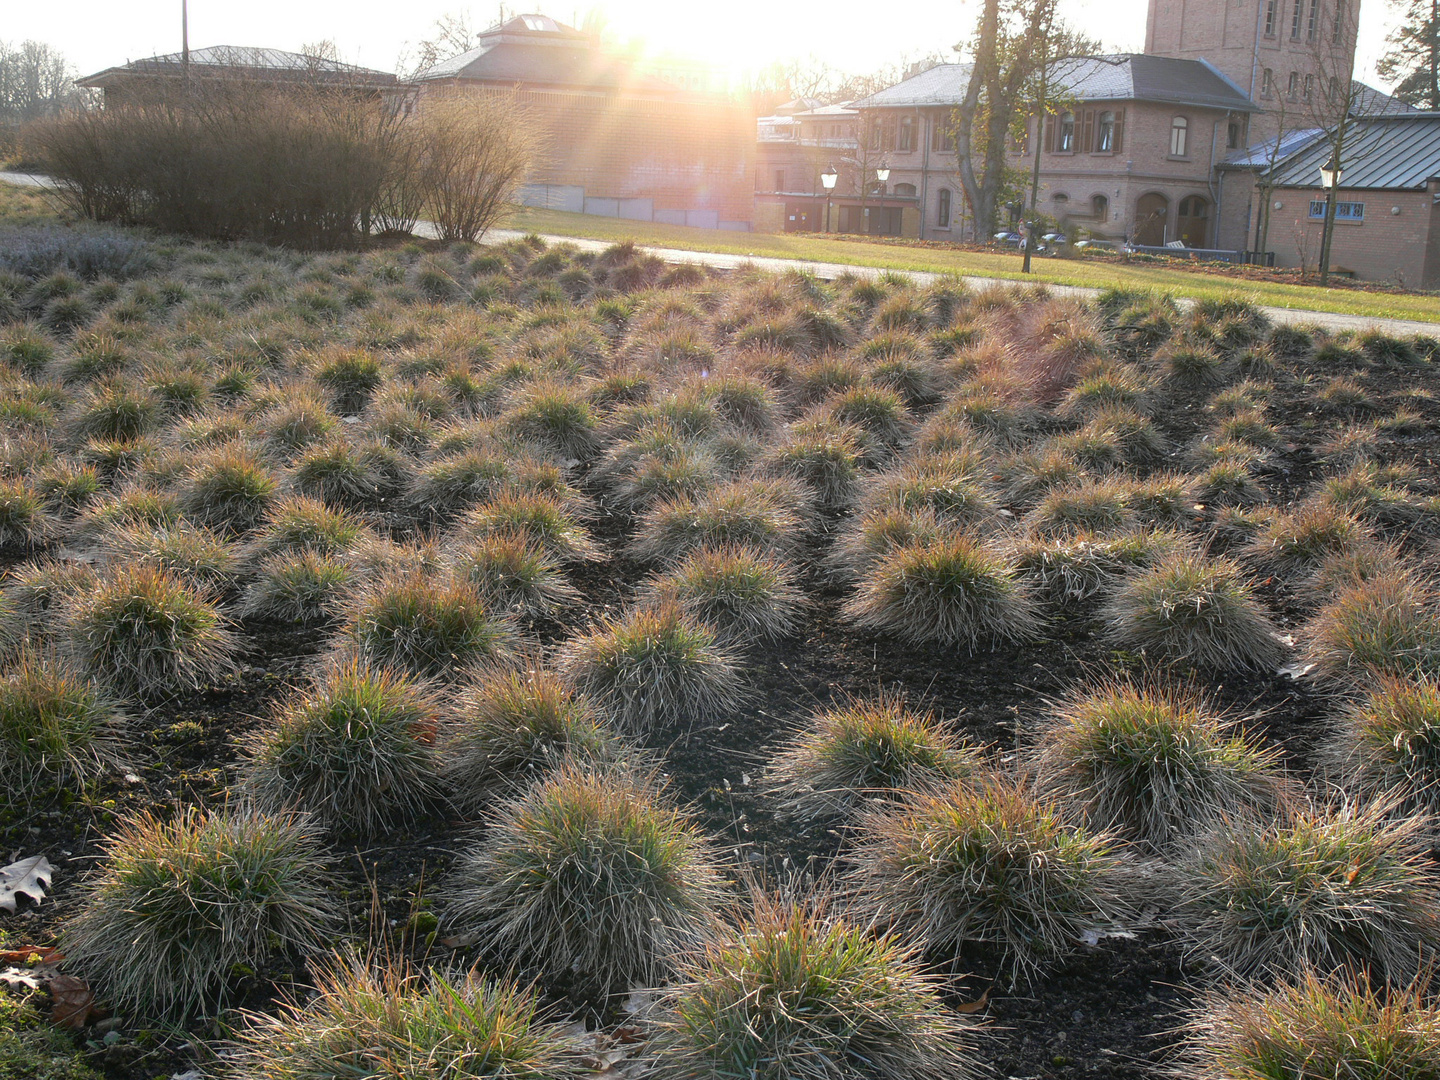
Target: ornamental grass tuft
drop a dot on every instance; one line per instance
(797, 991)
(984, 864)
(1153, 764)
(1190, 608)
(593, 879)
(384, 1021)
(1345, 887)
(355, 750)
(177, 906)
(950, 590)
(142, 631)
(866, 749)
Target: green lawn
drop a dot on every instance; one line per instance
(1096, 274)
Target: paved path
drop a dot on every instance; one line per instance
(827, 270)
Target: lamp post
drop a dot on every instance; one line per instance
(827, 181)
(882, 173)
(1330, 174)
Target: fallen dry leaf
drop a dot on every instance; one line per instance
(976, 1005)
(460, 941)
(32, 954)
(28, 877)
(74, 1001)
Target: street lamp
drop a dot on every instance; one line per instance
(882, 173)
(1330, 174)
(827, 181)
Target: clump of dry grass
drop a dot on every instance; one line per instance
(385, 1022)
(1348, 887)
(797, 990)
(144, 632)
(177, 906)
(1317, 1027)
(425, 625)
(1152, 764)
(1388, 745)
(515, 575)
(766, 513)
(1193, 609)
(56, 728)
(509, 727)
(746, 596)
(592, 878)
(952, 590)
(354, 749)
(866, 749)
(298, 587)
(654, 667)
(1388, 624)
(984, 864)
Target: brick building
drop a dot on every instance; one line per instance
(798, 142)
(1132, 156)
(1162, 148)
(619, 140)
(1387, 221)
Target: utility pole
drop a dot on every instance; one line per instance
(185, 42)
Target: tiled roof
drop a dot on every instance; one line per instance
(1121, 77)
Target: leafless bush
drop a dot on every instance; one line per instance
(475, 151)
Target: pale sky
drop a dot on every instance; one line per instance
(850, 35)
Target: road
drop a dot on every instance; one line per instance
(824, 270)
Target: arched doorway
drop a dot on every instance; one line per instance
(1192, 221)
(1150, 213)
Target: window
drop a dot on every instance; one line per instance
(1270, 16)
(943, 139)
(1105, 133)
(942, 209)
(1332, 89)
(1313, 20)
(779, 179)
(906, 190)
(1065, 143)
(1232, 136)
(1309, 86)
(1267, 84)
(1100, 208)
(1339, 27)
(1344, 211)
(1294, 87)
(1179, 136)
(1295, 20)
(905, 141)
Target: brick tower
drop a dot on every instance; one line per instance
(1292, 57)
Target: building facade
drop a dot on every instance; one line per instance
(1131, 157)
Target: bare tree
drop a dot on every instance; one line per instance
(1012, 37)
(453, 33)
(35, 80)
(476, 149)
(1330, 98)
